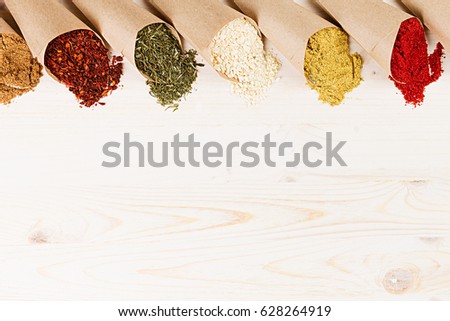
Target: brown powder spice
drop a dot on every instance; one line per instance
(19, 70)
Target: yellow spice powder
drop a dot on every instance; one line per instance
(330, 68)
(19, 71)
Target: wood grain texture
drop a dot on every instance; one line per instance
(379, 229)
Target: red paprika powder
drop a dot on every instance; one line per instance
(411, 66)
(80, 61)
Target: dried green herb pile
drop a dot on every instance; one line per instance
(171, 72)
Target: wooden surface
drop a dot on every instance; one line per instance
(379, 229)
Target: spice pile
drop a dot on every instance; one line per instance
(80, 61)
(171, 73)
(330, 68)
(412, 68)
(19, 71)
(238, 52)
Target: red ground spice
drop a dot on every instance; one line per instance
(80, 61)
(412, 69)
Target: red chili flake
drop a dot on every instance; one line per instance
(80, 61)
(412, 69)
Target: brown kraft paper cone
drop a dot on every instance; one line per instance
(119, 21)
(436, 16)
(373, 23)
(41, 21)
(199, 21)
(5, 28)
(287, 25)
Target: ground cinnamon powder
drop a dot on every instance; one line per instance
(412, 68)
(19, 70)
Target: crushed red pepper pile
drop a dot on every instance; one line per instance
(80, 61)
(412, 68)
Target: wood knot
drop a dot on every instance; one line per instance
(399, 281)
(38, 238)
(431, 240)
(289, 179)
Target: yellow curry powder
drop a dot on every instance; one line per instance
(19, 71)
(330, 68)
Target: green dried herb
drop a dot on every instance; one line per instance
(172, 72)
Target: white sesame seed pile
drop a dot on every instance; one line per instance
(238, 52)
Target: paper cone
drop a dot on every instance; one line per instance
(41, 21)
(436, 16)
(119, 21)
(199, 21)
(373, 23)
(287, 25)
(5, 28)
